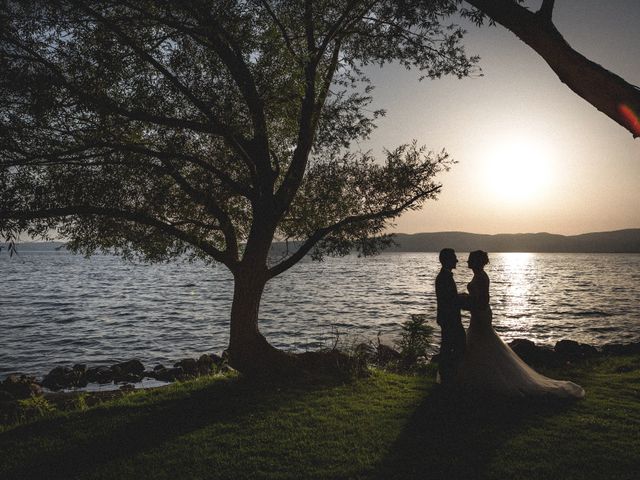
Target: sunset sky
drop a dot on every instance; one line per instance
(533, 156)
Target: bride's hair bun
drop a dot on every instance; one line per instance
(480, 257)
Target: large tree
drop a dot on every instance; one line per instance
(608, 92)
(209, 129)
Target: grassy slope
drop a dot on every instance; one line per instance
(386, 426)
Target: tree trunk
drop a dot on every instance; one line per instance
(606, 91)
(249, 352)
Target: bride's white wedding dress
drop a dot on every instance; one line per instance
(490, 366)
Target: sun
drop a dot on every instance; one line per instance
(518, 170)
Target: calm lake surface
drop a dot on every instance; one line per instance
(59, 309)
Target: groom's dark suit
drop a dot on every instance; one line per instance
(448, 316)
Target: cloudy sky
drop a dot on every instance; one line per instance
(533, 156)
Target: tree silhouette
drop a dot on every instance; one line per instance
(210, 128)
(609, 93)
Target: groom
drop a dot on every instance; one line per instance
(452, 337)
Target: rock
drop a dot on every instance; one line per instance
(524, 348)
(189, 366)
(159, 367)
(134, 367)
(130, 371)
(127, 387)
(64, 377)
(219, 360)
(206, 365)
(621, 349)
(101, 374)
(127, 377)
(225, 368)
(169, 374)
(386, 354)
(533, 354)
(18, 386)
(573, 350)
(80, 367)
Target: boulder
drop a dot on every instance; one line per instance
(572, 350)
(169, 374)
(101, 374)
(18, 386)
(535, 355)
(219, 360)
(206, 365)
(130, 371)
(133, 367)
(386, 354)
(189, 366)
(621, 349)
(64, 377)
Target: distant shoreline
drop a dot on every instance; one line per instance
(617, 241)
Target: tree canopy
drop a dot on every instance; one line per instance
(211, 128)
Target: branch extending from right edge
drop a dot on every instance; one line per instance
(603, 89)
(137, 217)
(323, 232)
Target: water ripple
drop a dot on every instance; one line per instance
(58, 309)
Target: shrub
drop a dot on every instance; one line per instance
(415, 339)
(35, 407)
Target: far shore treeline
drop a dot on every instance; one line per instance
(619, 241)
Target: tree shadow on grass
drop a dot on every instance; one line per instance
(453, 437)
(80, 443)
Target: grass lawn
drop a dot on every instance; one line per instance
(385, 426)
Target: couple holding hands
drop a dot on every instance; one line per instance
(478, 360)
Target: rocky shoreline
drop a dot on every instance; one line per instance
(125, 375)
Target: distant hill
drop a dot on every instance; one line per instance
(619, 241)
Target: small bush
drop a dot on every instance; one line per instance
(414, 342)
(35, 407)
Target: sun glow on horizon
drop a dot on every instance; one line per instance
(518, 170)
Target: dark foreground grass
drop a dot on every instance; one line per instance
(385, 426)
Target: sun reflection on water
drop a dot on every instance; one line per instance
(516, 293)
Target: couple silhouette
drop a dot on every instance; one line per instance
(478, 360)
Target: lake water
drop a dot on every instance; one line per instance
(59, 309)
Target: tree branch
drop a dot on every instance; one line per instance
(133, 216)
(148, 58)
(281, 27)
(605, 90)
(546, 9)
(212, 207)
(319, 234)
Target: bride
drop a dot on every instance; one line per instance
(489, 365)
